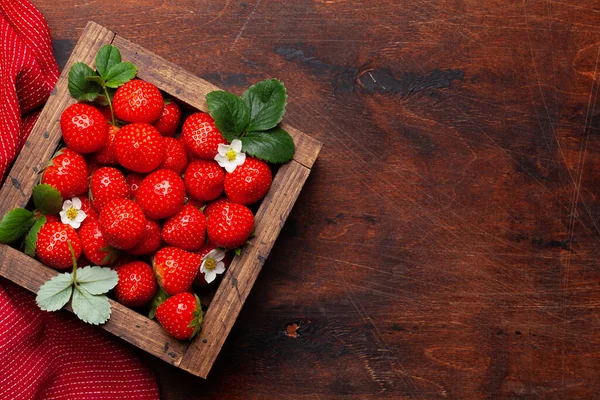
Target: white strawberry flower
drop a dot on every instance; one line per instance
(230, 155)
(212, 264)
(71, 213)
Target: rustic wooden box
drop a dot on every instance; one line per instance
(196, 356)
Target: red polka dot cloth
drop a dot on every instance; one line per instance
(48, 355)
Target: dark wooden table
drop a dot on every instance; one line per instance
(446, 244)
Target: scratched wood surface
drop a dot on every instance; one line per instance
(445, 244)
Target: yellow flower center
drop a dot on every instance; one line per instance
(72, 213)
(210, 264)
(231, 154)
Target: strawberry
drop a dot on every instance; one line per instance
(175, 269)
(194, 202)
(134, 181)
(52, 247)
(86, 207)
(213, 205)
(137, 284)
(139, 147)
(200, 281)
(230, 225)
(181, 315)
(151, 241)
(52, 218)
(68, 173)
(175, 156)
(95, 247)
(106, 156)
(105, 110)
(84, 128)
(123, 223)
(201, 136)
(249, 182)
(121, 260)
(161, 194)
(107, 183)
(186, 229)
(138, 101)
(204, 180)
(168, 122)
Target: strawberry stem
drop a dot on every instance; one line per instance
(74, 262)
(112, 112)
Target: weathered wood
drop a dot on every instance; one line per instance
(193, 90)
(244, 269)
(46, 134)
(125, 323)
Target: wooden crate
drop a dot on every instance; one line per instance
(196, 356)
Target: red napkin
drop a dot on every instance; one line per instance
(48, 355)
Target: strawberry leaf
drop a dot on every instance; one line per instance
(55, 293)
(158, 299)
(15, 224)
(198, 315)
(47, 199)
(107, 57)
(32, 236)
(93, 309)
(79, 86)
(230, 113)
(266, 101)
(96, 280)
(274, 146)
(119, 74)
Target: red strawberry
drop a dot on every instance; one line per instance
(134, 180)
(107, 184)
(168, 122)
(123, 223)
(151, 241)
(249, 182)
(52, 246)
(84, 128)
(230, 225)
(204, 180)
(86, 207)
(161, 194)
(175, 269)
(52, 218)
(214, 205)
(175, 156)
(137, 284)
(123, 259)
(95, 247)
(139, 147)
(68, 173)
(106, 156)
(138, 101)
(208, 264)
(186, 229)
(201, 136)
(181, 315)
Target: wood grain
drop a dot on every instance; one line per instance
(445, 245)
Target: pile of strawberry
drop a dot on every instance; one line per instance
(162, 202)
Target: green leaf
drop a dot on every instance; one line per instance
(15, 224)
(32, 236)
(229, 112)
(80, 87)
(55, 293)
(158, 299)
(266, 101)
(198, 317)
(237, 251)
(95, 79)
(93, 309)
(275, 146)
(96, 280)
(107, 56)
(47, 199)
(120, 73)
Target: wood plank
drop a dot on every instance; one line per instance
(125, 323)
(193, 90)
(46, 133)
(242, 273)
